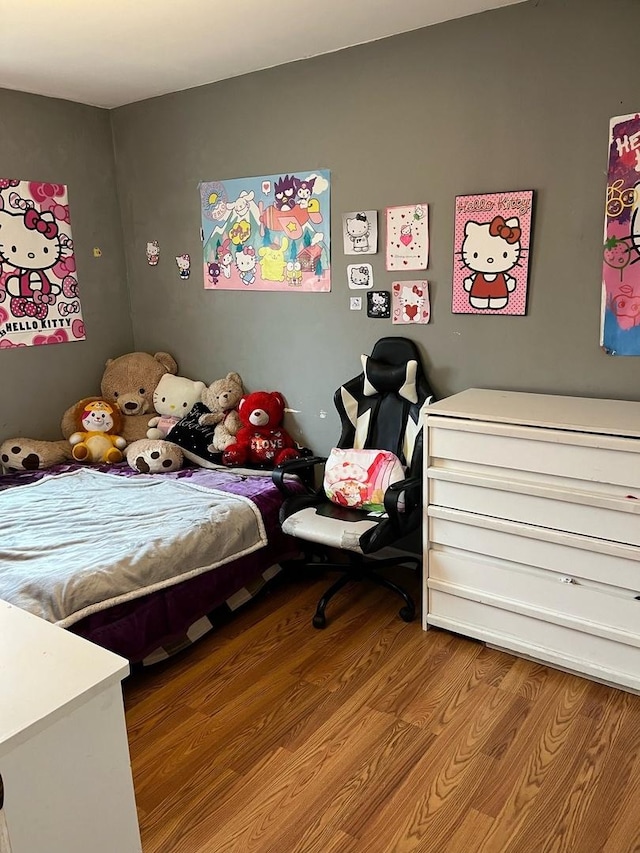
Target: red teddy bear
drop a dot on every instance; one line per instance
(261, 440)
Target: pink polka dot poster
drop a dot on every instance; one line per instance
(491, 253)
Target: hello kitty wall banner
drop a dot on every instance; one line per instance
(39, 301)
(620, 320)
(491, 253)
(268, 233)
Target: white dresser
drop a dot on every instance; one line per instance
(532, 528)
(64, 757)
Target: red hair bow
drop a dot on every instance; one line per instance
(34, 222)
(499, 228)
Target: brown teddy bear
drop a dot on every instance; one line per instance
(129, 381)
(222, 398)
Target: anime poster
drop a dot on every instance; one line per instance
(267, 233)
(408, 237)
(491, 253)
(39, 301)
(620, 321)
(410, 302)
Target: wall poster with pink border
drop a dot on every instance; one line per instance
(268, 233)
(620, 317)
(39, 301)
(491, 253)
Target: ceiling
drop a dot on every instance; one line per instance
(116, 52)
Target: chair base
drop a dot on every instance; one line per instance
(360, 570)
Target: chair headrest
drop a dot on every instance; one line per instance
(381, 378)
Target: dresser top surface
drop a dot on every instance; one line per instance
(45, 672)
(581, 414)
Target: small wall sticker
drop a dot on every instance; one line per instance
(379, 304)
(153, 253)
(360, 276)
(184, 266)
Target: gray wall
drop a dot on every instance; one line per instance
(44, 139)
(519, 98)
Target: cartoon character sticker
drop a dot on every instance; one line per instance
(379, 304)
(360, 276)
(491, 244)
(410, 302)
(270, 232)
(153, 253)
(183, 263)
(620, 319)
(37, 266)
(360, 232)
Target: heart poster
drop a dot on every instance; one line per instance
(408, 237)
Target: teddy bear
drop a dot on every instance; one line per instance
(261, 440)
(222, 398)
(129, 381)
(97, 440)
(173, 398)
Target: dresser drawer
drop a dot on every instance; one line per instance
(592, 459)
(595, 609)
(589, 654)
(581, 558)
(615, 519)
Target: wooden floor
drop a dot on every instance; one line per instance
(372, 736)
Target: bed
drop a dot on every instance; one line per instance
(143, 565)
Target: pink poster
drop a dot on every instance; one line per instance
(620, 321)
(39, 301)
(491, 253)
(410, 302)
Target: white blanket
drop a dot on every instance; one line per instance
(80, 542)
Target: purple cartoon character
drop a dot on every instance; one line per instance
(285, 192)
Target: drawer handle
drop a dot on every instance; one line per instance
(566, 579)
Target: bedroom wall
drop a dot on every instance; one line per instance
(518, 98)
(45, 139)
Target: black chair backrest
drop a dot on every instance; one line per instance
(383, 407)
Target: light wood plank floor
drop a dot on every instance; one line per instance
(371, 737)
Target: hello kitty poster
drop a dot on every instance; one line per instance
(620, 319)
(39, 302)
(410, 302)
(268, 233)
(407, 237)
(491, 253)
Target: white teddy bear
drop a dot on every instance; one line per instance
(173, 398)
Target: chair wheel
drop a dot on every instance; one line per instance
(319, 620)
(407, 614)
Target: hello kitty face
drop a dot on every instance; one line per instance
(360, 277)
(412, 300)
(183, 262)
(246, 259)
(29, 241)
(491, 247)
(378, 300)
(358, 226)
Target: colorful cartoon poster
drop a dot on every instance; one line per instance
(408, 237)
(410, 302)
(491, 253)
(360, 232)
(620, 321)
(268, 233)
(39, 301)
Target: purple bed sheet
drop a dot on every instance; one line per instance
(156, 625)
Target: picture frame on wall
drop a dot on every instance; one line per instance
(491, 253)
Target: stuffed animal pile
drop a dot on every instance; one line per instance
(142, 402)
